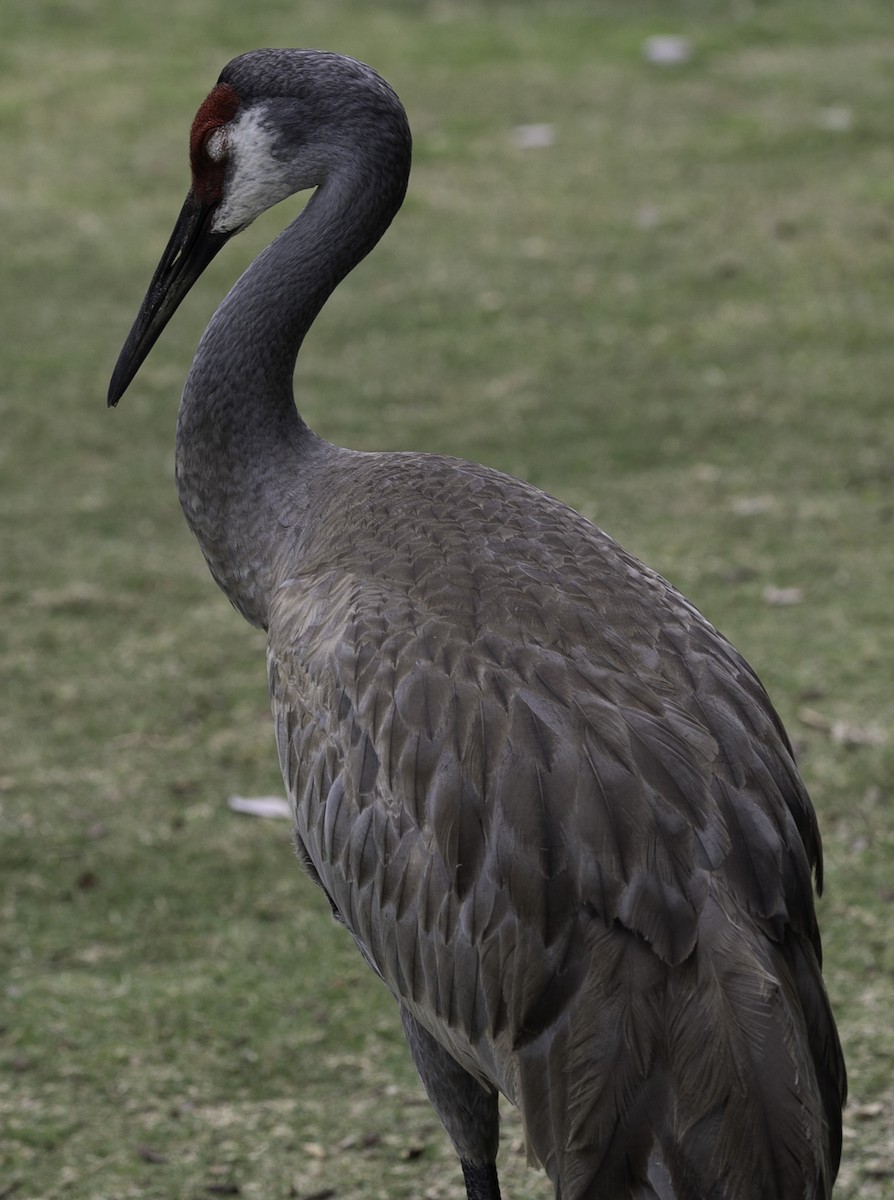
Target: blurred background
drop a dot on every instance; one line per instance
(646, 262)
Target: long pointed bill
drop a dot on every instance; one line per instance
(192, 246)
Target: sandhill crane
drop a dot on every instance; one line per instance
(552, 805)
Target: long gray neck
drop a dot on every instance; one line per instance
(245, 460)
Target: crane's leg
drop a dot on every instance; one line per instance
(481, 1182)
(468, 1111)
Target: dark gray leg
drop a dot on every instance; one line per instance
(468, 1111)
(481, 1182)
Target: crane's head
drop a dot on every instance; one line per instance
(277, 122)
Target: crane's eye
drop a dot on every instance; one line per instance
(217, 144)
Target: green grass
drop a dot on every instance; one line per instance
(678, 318)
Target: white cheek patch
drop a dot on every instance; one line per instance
(256, 180)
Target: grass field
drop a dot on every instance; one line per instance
(678, 316)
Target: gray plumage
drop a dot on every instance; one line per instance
(553, 806)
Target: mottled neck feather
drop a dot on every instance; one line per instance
(245, 458)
